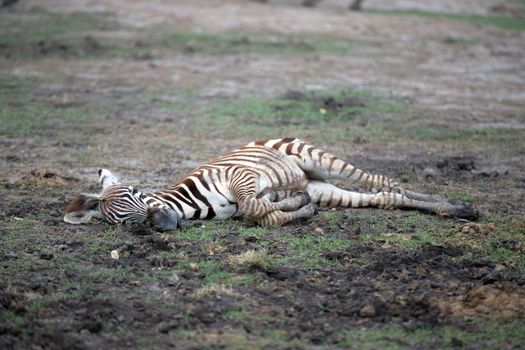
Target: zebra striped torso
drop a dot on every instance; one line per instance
(205, 193)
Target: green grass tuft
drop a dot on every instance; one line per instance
(501, 21)
(309, 250)
(240, 43)
(35, 33)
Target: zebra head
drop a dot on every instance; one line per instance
(120, 204)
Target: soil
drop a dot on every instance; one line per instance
(421, 287)
(369, 285)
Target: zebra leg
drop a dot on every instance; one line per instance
(294, 202)
(279, 217)
(243, 184)
(321, 165)
(328, 195)
(423, 197)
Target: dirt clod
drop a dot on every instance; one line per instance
(45, 254)
(46, 177)
(473, 228)
(486, 300)
(457, 163)
(367, 311)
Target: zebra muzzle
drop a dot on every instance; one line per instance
(163, 219)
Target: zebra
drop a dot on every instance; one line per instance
(270, 182)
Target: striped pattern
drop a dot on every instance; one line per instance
(120, 204)
(215, 190)
(319, 164)
(263, 182)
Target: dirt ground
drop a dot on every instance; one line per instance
(430, 93)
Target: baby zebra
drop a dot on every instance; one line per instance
(270, 182)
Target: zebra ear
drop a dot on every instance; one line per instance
(106, 178)
(82, 209)
(163, 219)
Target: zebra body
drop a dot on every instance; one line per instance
(208, 192)
(270, 182)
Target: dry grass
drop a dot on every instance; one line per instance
(215, 289)
(250, 259)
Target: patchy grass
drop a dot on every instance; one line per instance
(500, 239)
(335, 219)
(36, 33)
(251, 259)
(37, 120)
(308, 251)
(500, 21)
(509, 335)
(253, 231)
(349, 114)
(26, 113)
(203, 232)
(319, 108)
(410, 230)
(213, 273)
(390, 338)
(243, 43)
(237, 315)
(457, 194)
(239, 339)
(508, 137)
(13, 319)
(216, 290)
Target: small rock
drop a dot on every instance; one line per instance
(115, 255)
(46, 254)
(367, 311)
(92, 326)
(173, 280)
(166, 327)
(499, 268)
(12, 158)
(430, 173)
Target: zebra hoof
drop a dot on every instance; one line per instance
(308, 211)
(305, 198)
(462, 210)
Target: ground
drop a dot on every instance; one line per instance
(430, 93)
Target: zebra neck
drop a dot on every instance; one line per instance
(183, 202)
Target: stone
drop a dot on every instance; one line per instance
(367, 311)
(115, 255)
(45, 254)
